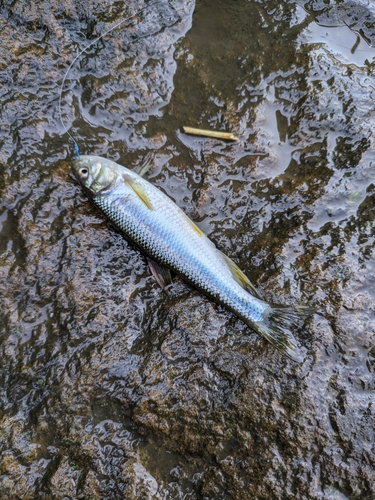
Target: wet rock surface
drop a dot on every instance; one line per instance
(113, 389)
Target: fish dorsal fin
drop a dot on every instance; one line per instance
(139, 190)
(161, 273)
(239, 276)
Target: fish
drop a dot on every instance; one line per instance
(171, 241)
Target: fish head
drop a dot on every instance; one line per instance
(96, 174)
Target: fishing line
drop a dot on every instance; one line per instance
(79, 55)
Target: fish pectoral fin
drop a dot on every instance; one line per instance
(161, 273)
(138, 190)
(239, 276)
(145, 166)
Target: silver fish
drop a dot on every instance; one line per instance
(172, 241)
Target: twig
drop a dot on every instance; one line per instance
(228, 136)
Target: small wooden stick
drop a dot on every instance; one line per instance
(228, 136)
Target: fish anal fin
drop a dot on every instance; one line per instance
(161, 273)
(138, 190)
(239, 276)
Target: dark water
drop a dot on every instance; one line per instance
(109, 388)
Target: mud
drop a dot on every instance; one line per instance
(112, 389)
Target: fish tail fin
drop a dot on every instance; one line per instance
(277, 328)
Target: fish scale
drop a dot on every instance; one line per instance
(165, 236)
(150, 219)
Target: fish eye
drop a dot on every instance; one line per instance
(83, 172)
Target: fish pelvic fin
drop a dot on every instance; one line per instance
(195, 227)
(277, 328)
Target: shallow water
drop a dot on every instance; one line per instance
(109, 387)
